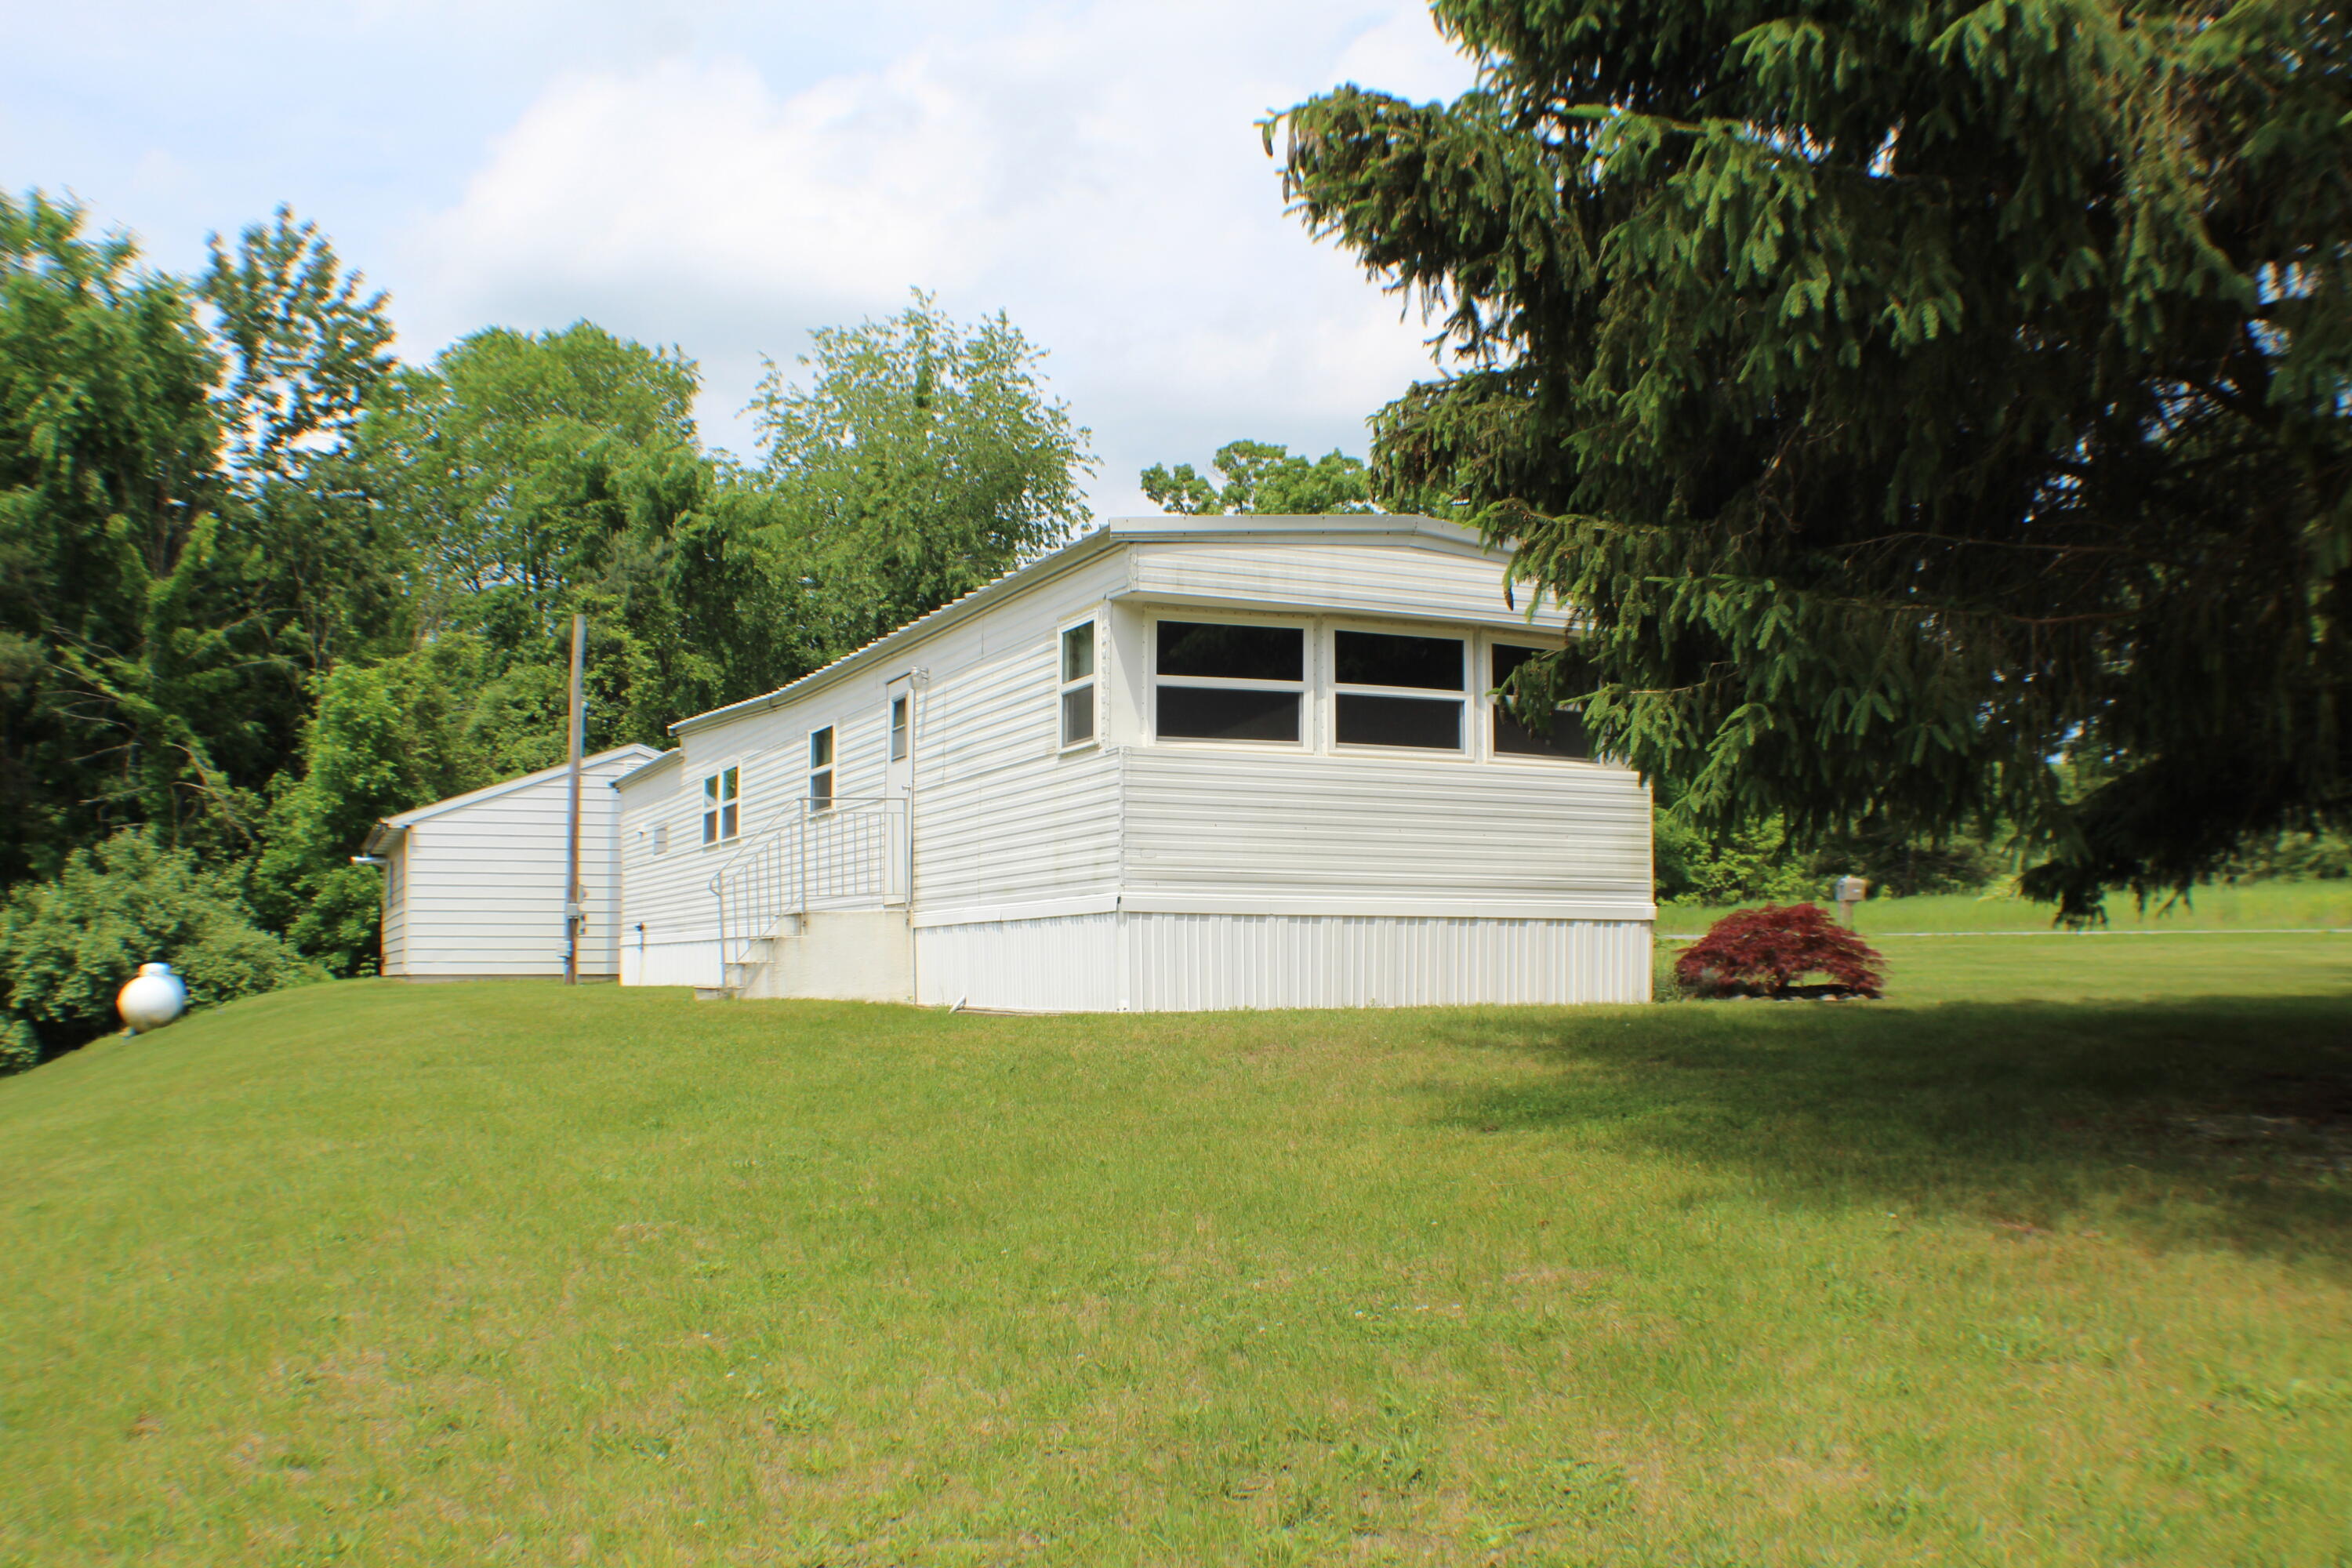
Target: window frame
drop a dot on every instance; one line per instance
(1306, 686)
(1467, 709)
(722, 805)
(899, 727)
(1066, 685)
(1493, 711)
(829, 769)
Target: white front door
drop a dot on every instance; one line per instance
(899, 781)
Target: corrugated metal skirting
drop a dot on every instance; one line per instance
(1188, 962)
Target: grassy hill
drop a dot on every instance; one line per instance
(376, 1274)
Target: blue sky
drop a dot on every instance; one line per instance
(726, 176)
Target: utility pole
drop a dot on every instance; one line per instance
(572, 912)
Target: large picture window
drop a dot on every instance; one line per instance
(1079, 684)
(1222, 681)
(1566, 737)
(721, 803)
(1386, 688)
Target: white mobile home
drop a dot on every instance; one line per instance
(1180, 763)
(473, 886)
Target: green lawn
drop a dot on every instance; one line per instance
(2246, 905)
(373, 1274)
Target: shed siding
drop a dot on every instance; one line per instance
(484, 882)
(395, 954)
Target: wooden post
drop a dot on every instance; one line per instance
(571, 889)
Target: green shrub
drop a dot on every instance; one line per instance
(68, 945)
(1756, 864)
(19, 1046)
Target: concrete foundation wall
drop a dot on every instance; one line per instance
(843, 955)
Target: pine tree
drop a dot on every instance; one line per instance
(1935, 411)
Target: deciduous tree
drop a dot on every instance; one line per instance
(920, 460)
(1262, 477)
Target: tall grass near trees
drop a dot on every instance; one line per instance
(370, 1274)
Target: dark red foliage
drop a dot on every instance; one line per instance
(1763, 953)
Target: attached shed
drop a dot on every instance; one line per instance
(473, 886)
(1180, 763)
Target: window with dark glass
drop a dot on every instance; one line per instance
(721, 805)
(1224, 681)
(820, 778)
(1529, 695)
(1386, 685)
(898, 728)
(1079, 684)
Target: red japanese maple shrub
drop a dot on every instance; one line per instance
(1764, 952)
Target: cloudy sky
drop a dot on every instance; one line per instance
(725, 176)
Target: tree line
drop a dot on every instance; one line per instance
(262, 582)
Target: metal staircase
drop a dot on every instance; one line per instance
(837, 853)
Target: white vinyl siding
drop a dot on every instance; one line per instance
(1191, 962)
(1372, 833)
(1349, 580)
(1140, 872)
(482, 879)
(394, 956)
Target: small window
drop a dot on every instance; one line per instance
(1079, 684)
(661, 838)
(900, 718)
(820, 778)
(722, 802)
(1225, 682)
(1566, 736)
(1385, 684)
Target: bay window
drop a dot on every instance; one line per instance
(1386, 690)
(1530, 693)
(1225, 681)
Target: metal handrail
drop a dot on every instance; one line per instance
(818, 850)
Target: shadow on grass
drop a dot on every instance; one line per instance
(2220, 1120)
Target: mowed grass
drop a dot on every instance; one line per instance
(376, 1274)
(2234, 907)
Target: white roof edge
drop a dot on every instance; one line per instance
(392, 825)
(665, 759)
(1268, 528)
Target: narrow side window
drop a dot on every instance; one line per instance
(820, 778)
(1079, 684)
(900, 717)
(661, 838)
(721, 804)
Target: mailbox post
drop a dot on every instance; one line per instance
(1849, 891)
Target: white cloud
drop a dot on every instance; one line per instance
(1095, 170)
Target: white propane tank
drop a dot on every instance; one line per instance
(154, 998)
